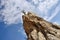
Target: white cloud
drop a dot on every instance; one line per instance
(12, 12)
(1, 18)
(55, 12)
(45, 6)
(56, 23)
(21, 30)
(35, 1)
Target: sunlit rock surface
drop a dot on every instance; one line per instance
(37, 28)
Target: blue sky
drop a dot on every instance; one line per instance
(11, 27)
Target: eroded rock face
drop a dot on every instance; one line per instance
(37, 28)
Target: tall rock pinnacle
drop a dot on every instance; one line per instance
(37, 28)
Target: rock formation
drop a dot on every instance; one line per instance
(37, 28)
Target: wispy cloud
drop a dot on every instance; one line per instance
(12, 11)
(21, 30)
(55, 13)
(55, 23)
(45, 6)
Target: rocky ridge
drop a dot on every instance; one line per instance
(37, 28)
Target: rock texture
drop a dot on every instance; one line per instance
(37, 28)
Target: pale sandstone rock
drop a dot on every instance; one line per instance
(37, 28)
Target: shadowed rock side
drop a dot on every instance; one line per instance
(37, 28)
